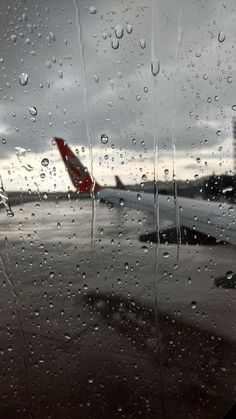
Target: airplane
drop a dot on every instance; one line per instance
(212, 219)
(119, 183)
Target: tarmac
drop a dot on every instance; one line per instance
(95, 323)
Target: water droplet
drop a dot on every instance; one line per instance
(145, 249)
(52, 36)
(10, 213)
(139, 197)
(45, 162)
(221, 37)
(155, 67)
(115, 43)
(67, 337)
(96, 78)
(229, 275)
(142, 43)
(228, 189)
(229, 79)
(92, 10)
(193, 304)
(198, 160)
(23, 79)
(13, 38)
(233, 107)
(145, 89)
(3, 141)
(60, 74)
(144, 177)
(129, 29)
(33, 111)
(166, 171)
(219, 133)
(166, 255)
(104, 138)
(119, 31)
(121, 202)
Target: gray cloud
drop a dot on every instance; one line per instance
(194, 95)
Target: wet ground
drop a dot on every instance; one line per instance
(97, 324)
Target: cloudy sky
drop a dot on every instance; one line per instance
(79, 69)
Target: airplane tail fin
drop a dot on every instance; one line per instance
(79, 174)
(119, 183)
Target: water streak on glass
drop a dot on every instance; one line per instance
(155, 59)
(86, 111)
(174, 130)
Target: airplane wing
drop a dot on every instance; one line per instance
(214, 219)
(217, 220)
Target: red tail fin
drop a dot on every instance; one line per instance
(79, 174)
(119, 184)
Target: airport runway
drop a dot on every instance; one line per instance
(96, 324)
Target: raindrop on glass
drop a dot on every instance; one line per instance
(129, 29)
(45, 162)
(155, 67)
(13, 38)
(23, 79)
(104, 138)
(229, 275)
(67, 337)
(92, 10)
(10, 213)
(142, 43)
(166, 255)
(115, 44)
(221, 37)
(122, 202)
(33, 111)
(119, 31)
(52, 36)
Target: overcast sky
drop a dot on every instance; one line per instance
(88, 65)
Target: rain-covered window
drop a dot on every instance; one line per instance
(117, 208)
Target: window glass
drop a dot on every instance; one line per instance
(117, 208)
